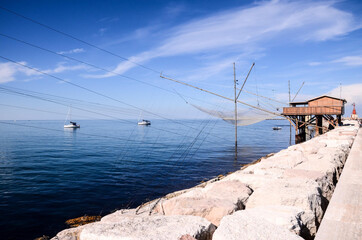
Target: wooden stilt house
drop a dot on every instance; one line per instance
(314, 112)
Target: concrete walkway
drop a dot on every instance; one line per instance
(343, 218)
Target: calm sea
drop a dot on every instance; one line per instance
(49, 174)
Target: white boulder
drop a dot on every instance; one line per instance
(242, 225)
(149, 228)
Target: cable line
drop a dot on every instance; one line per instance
(57, 130)
(106, 115)
(92, 91)
(78, 39)
(93, 66)
(83, 62)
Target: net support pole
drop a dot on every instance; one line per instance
(236, 115)
(290, 124)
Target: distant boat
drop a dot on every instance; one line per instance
(144, 122)
(71, 124)
(277, 128)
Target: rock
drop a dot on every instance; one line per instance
(303, 194)
(284, 159)
(242, 225)
(150, 228)
(187, 237)
(75, 222)
(285, 216)
(252, 180)
(69, 234)
(310, 147)
(212, 202)
(324, 181)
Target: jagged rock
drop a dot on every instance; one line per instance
(69, 234)
(212, 202)
(300, 193)
(284, 160)
(324, 181)
(150, 228)
(187, 237)
(310, 147)
(252, 180)
(242, 225)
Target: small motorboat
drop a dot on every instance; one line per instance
(71, 125)
(277, 128)
(144, 122)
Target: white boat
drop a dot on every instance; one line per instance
(277, 128)
(144, 122)
(71, 124)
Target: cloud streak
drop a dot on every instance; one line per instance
(352, 93)
(9, 70)
(350, 60)
(76, 50)
(235, 31)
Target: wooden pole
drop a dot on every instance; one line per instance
(236, 115)
(290, 125)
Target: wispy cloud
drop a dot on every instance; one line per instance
(9, 70)
(236, 30)
(62, 67)
(109, 19)
(174, 9)
(101, 31)
(352, 93)
(314, 63)
(75, 50)
(350, 60)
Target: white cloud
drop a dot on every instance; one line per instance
(76, 50)
(350, 60)
(236, 30)
(314, 64)
(352, 93)
(9, 70)
(61, 67)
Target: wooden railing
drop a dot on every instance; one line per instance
(321, 110)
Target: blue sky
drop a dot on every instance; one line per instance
(316, 42)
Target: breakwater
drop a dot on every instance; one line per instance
(283, 196)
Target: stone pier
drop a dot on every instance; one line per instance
(282, 196)
(343, 218)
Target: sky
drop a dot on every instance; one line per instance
(103, 59)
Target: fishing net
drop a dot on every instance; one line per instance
(244, 116)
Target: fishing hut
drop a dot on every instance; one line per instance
(315, 112)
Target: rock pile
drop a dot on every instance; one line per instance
(284, 196)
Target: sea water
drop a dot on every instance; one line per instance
(49, 174)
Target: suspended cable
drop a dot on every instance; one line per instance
(264, 97)
(102, 114)
(78, 39)
(218, 95)
(89, 90)
(57, 130)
